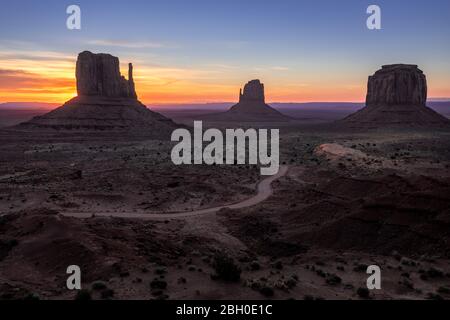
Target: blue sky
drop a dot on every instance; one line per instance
(302, 50)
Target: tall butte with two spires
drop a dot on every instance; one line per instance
(396, 97)
(106, 101)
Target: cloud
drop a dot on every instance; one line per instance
(18, 79)
(12, 73)
(222, 66)
(279, 68)
(21, 85)
(32, 54)
(126, 44)
(270, 68)
(12, 79)
(50, 76)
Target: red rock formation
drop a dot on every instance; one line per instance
(397, 84)
(106, 101)
(99, 75)
(253, 92)
(396, 96)
(252, 106)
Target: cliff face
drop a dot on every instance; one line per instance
(397, 84)
(99, 75)
(253, 92)
(396, 96)
(106, 101)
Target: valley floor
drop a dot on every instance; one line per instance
(347, 200)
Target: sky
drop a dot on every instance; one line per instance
(204, 51)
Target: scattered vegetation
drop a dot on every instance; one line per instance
(434, 296)
(83, 295)
(226, 269)
(107, 293)
(98, 285)
(444, 290)
(360, 268)
(267, 291)
(363, 293)
(160, 271)
(254, 266)
(158, 284)
(333, 279)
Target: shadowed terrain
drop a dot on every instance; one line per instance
(86, 185)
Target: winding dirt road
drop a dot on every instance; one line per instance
(264, 191)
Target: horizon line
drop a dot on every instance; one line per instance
(167, 104)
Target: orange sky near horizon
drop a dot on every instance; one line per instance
(50, 77)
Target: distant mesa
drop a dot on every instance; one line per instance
(397, 84)
(253, 93)
(250, 108)
(396, 96)
(106, 101)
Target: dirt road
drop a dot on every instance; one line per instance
(264, 191)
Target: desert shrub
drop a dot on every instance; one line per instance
(278, 265)
(267, 291)
(226, 269)
(206, 259)
(6, 246)
(434, 273)
(406, 283)
(333, 279)
(161, 271)
(434, 296)
(12, 243)
(107, 293)
(363, 293)
(360, 268)
(321, 273)
(291, 283)
(396, 255)
(124, 274)
(408, 262)
(255, 266)
(158, 284)
(32, 296)
(192, 268)
(98, 285)
(349, 286)
(162, 297)
(444, 290)
(83, 295)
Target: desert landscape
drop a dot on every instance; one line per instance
(92, 184)
(246, 155)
